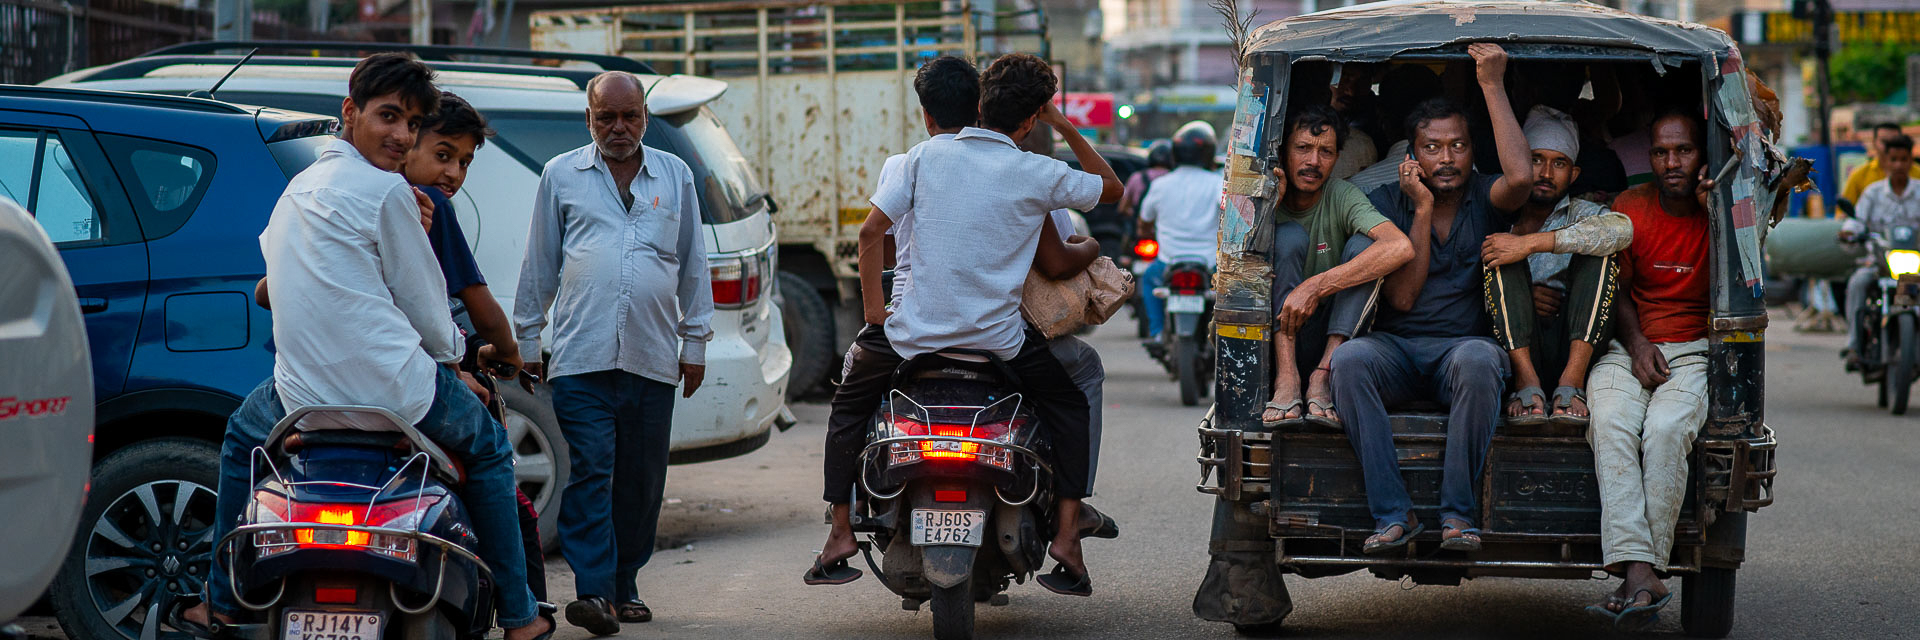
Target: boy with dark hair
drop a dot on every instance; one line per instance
(364, 322)
(1882, 206)
(979, 208)
(1874, 169)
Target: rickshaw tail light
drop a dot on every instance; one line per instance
(1902, 262)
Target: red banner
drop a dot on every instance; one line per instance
(1091, 110)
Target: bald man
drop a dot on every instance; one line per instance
(621, 222)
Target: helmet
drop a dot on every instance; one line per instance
(1194, 144)
(1160, 154)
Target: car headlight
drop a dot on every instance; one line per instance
(1901, 262)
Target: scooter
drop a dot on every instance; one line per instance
(1145, 251)
(955, 491)
(1185, 347)
(356, 534)
(1887, 324)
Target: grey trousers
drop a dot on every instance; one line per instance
(1083, 366)
(1346, 315)
(1859, 286)
(1640, 441)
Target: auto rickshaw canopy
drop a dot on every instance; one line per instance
(1380, 30)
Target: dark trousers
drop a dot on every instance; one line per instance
(1346, 315)
(618, 426)
(870, 364)
(1381, 369)
(1586, 314)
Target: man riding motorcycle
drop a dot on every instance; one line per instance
(1181, 213)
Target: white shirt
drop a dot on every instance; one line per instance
(1184, 207)
(976, 205)
(1881, 209)
(359, 303)
(629, 286)
(894, 170)
(1382, 172)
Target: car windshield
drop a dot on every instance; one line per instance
(294, 155)
(722, 178)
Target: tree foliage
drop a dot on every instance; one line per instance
(1868, 72)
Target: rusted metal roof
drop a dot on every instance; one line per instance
(1381, 29)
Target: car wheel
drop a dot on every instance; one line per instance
(540, 462)
(145, 538)
(810, 335)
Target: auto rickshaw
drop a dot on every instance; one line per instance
(1292, 501)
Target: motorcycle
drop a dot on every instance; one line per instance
(355, 534)
(955, 491)
(1145, 251)
(1185, 347)
(1887, 323)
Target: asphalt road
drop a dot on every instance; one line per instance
(1835, 557)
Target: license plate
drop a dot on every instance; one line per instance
(331, 625)
(1186, 304)
(948, 527)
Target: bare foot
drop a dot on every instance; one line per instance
(1066, 551)
(1286, 392)
(1320, 394)
(532, 630)
(840, 545)
(1642, 587)
(202, 613)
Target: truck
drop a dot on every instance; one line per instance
(820, 93)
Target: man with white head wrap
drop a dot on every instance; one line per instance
(1550, 282)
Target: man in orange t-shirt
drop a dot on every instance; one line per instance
(1649, 392)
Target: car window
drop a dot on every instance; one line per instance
(727, 184)
(46, 181)
(165, 179)
(294, 155)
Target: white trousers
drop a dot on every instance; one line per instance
(1640, 442)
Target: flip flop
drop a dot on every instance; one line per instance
(1064, 582)
(634, 611)
(1319, 420)
(1406, 536)
(1563, 398)
(1460, 542)
(1108, 528)
(1284, 410)
(1601, 610)
(1528, 419)
(1643, 617)
(831, 574)
(176, 618)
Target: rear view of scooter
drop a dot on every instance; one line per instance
(1186, 345)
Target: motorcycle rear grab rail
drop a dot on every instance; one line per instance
(228, 545)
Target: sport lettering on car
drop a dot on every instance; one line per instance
(12, 407)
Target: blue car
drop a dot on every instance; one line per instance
(155, 203)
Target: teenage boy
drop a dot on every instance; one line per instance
(978, 207)
(1883, 205)
(1324, 250)
(364, 322)
(1875, 168)
(1553, 277)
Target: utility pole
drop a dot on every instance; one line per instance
(422, 14)
(1820, 13)
(233, 20)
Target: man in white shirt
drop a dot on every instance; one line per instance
(1182, 213)
(616, 248)
(361, 318)
(1883, 205)
(979, 208)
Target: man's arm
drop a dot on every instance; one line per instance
(413, 276)
(1090, 160)
(1516, 176)
(490, 322)
(873, 234)
(1389, 251)
(260, 294)
(696, 284)
(1059, 259)
(1597, 235)
(539, 273)
(1403, 285)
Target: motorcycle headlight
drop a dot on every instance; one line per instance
(1901, 262)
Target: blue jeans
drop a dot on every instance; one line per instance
(1154, 306)
(618, 427)
(460, 425)
(1381, 369)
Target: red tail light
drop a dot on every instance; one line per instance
(346, 514)
(1147, 248)
(957, 495)
(336, 595)
(738, 279)
(1186, 281)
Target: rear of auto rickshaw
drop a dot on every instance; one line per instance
(1292, 501)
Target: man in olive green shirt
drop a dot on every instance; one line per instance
(1329, 242)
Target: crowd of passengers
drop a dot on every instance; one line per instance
(1552, 229)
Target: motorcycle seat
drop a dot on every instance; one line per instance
(354, 424)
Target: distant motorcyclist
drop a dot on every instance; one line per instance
(1159, 162)
(1182, 213)
(1883, 205)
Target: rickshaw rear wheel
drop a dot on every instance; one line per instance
(1706, 603)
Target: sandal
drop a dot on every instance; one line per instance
(1640, 618)
(1320, 420)
(1563, 398)
(1602, 611)
(1375, 546)
(1529, 398)
(1064, 582)
(634, 611)
(1467, 540)
(831, 574)
(1284, 410)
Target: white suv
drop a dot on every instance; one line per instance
(538, 112)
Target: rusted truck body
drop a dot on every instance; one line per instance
(1292, 501)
